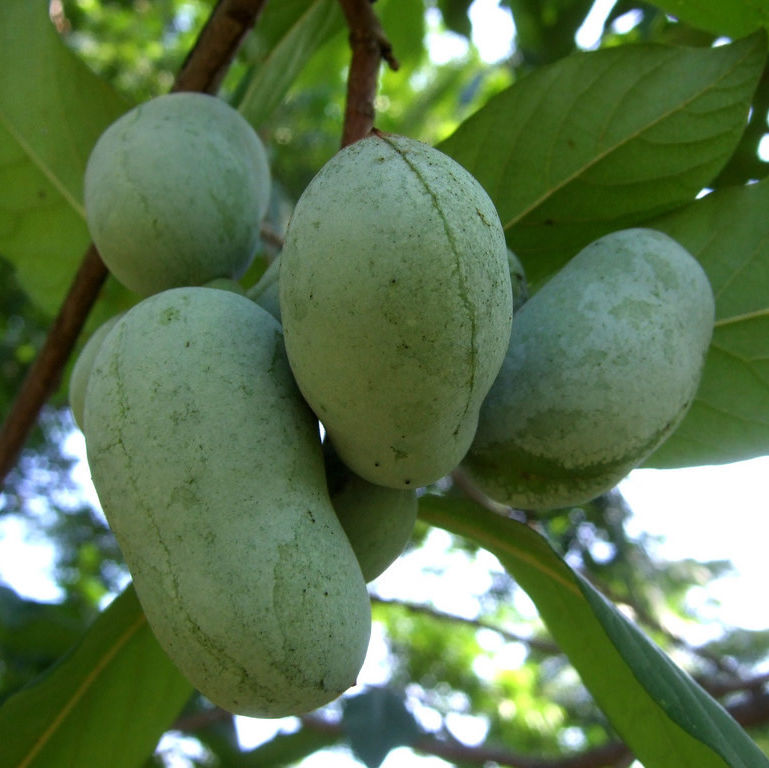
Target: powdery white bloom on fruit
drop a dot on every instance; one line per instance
(396, 305)
(603, 363)
(175, 191)
(209, 467)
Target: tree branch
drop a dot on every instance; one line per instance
(753, 711)
(218, 42)
(613, 754)
(369, 46)
(544, 646)
(44, 374)
(203, 70)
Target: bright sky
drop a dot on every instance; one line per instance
(703, 512)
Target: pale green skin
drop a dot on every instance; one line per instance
(226, 284)
(81, 370)
(517, 280)
(396, 305)
(378, 521)
(209, 468)
(175, 191)
(265, 292)
(604, 361)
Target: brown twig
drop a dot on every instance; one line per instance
(369, 46)
(203, 70)
(216, 46)
(44, 374)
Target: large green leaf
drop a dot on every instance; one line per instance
(403, 22)
(106, 703)
(288, 37)
(728, 231)
(607, 139)
(660, 712)
(734, 18)
(52, 110)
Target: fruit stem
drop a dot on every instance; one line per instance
(369, 46)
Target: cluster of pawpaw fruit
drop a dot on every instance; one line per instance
(388, 318)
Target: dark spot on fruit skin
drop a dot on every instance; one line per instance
(311, 516)
(408, 482)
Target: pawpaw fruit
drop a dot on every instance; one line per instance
(209, 467)
(175, 191)
(81, 370)
(378, 521)
(604, 361)
(396, 306)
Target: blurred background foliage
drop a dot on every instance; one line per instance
(483, 669)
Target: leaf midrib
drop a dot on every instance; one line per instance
(593, 161)
(41, 166)
(82, 689)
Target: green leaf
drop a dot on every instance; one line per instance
(733, 19)
(32, 637)
(661, 713)
(728, 231)
(296, 30)
(603, 140)
(455, 16)
(52, 110)
(403, 22)
(106, 703)
(545, 32)
(377, 721)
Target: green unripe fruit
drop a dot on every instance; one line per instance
(378, 521)
(518, 280)
(604, 362)
(175, 191)
(265, 291)
(226, 284)
(81, 370)
(210, 470)
(396, 305)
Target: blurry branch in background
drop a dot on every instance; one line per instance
(543, 646)
(203, 70)
(369, 47)
(752, 711)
